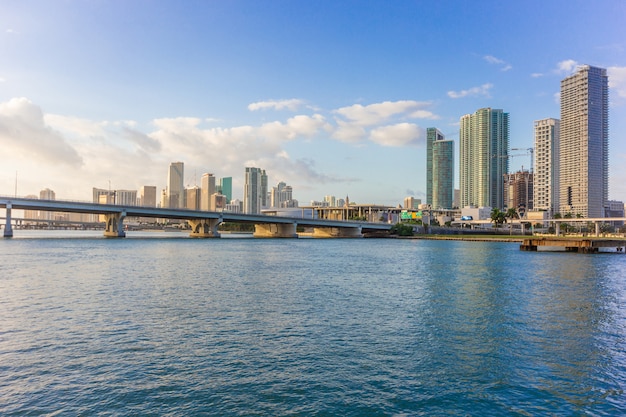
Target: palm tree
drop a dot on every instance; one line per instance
(511, 213)
(498, 217)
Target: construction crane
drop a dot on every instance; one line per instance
(528, 150)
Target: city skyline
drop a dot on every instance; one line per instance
(109, 94)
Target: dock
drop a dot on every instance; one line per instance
(579, 245)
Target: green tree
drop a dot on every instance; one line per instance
(511, 213)
(401, 229)
(498, 217)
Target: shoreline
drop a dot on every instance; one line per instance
(469, 238)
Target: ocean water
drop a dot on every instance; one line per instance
(307, 327)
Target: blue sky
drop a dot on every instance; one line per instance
(329, 97)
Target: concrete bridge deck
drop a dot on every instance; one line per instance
(203, 223)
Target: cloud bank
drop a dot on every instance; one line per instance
(95, 152)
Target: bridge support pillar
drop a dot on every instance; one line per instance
(337, 232)
(114, 224)
(275, 230)
(204, 228)
(597, 229)
(8, 229)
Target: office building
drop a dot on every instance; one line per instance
(546, 166)
(255, 190)
(218, 202)
(439, 169)
(125, 197)
(484, 149)
(225, 188)
(331, 200)
(614, 208)
(175, 186)
(207, 185)
(192, 197)
(147, 196)
(584, 142)
(235, 206)
(281, 196)
(411, 203)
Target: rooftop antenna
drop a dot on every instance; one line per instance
(15, 184)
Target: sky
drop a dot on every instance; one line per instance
(330, 97)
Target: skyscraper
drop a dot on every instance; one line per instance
(281, 196)
(147, 196)
(255, 190)
(439, 169)
(546, 169)
(226, 188)
(584, 142)
(484, 149)
(175, 185)
(207, 184)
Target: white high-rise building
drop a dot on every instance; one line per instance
(484, 150)
(175, 185)
(584, 142)
(281, 195)
(255, 190)
(546, 166)
(331, 200)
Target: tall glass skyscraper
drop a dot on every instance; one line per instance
(584, 142)
(484, 150)
(226, 188)
(439, 169)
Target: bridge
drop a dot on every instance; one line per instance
(204, 224)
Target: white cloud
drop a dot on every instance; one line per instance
(376, 113)
(483, 90)
(401, 134)
(536, 75)
(349, 132)
(617, 80)
(566, 67)
(493, 60)
(292, 104)
(497, 61)
(297, 126)
(73, 154)
(353, 123)
(23, 131)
